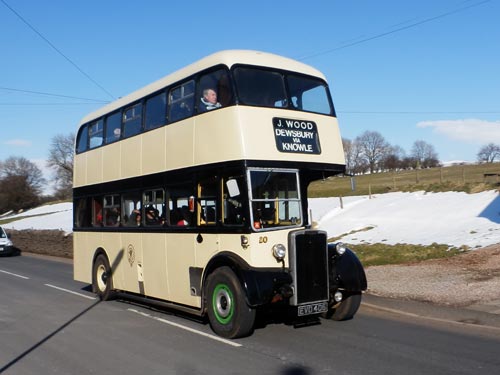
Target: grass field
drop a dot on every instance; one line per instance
(467, 178)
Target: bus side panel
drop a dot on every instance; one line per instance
(127, 263)
(94, 166)
(111, 155)
(83, 254)
(131, 157)
(155, 265)
(80, 165)
(179, 144)
(218, 137)
(155, 151)
(181, 256)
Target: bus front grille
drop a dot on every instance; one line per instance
(309, 266)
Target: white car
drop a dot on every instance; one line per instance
(6, 245)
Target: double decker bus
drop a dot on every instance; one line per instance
(192, 192)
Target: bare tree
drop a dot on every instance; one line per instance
(424, 155)
(355, 162)
(393, 160)
(488, 153)
(373, 147)
(61, 161)
(21, 183)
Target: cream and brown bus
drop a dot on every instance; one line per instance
(192, 192)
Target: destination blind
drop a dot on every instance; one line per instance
(296, 136)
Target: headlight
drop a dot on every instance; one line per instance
(340, 248)
(279, 252)
(9, 243)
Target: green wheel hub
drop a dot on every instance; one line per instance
(223, 303)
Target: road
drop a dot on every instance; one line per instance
(50, 324)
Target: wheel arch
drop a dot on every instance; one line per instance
(346, 270)
(97, 252)
(228, 259)
(259, 284)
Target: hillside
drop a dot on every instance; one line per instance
(470, 178)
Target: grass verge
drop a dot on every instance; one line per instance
(383, 254)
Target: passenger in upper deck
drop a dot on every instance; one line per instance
(209, 100)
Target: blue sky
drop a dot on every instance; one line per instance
(411, 70)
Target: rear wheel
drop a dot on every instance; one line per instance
(102, 281)
(344, 310)
(228, 313)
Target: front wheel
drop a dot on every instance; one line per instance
(102, 281)
(344, 310)
(228, 313)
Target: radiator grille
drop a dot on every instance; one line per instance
(309, 266)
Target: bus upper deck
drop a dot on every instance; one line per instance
(270, 108)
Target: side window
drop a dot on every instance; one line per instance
(113, 127)
(233, 211)
(181, 205)
(132, 120)
(97, 212)
(207, 198)
(181, 101)
(214, 91)
(82, 213)
(111, 210)
(154, 207)
(131, 209)
(96, 130)
(156, 110)
(83, 138)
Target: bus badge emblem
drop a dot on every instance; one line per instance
(131, 254)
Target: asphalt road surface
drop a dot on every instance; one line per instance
(50, 324)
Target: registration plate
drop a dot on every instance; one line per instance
(312, 308)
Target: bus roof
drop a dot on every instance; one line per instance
(228, 58)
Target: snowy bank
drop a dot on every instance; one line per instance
(451, 218)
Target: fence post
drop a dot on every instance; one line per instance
(341, 203)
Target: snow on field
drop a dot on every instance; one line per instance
(417, 218)
(55, 216)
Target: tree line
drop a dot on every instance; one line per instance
(22, 184)
(371, 153)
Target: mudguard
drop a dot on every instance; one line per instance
(260, 285)
(346, 271)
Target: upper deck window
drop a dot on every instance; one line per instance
(260, 87)
(275, 89)
(113, 127)
(96, 133)
(132, 120)
(181, 101)
(155, 115)
(308, 94)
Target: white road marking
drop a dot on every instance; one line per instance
(70, 291)
(217, 338)
(15, 274)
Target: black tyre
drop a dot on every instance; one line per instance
(228, 313)
(102, 280)
(346, 309)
